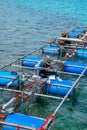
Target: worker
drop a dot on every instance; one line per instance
(47, 66)
(65, 35)
(47, 62)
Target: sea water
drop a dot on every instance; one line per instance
(28, 24)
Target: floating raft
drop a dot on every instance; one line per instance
(54, 85)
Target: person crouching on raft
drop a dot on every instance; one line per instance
(47, 66)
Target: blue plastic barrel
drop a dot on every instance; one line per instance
(31, 61)
(20, 119)
(73, 34)
(7, 77)
(81, 53)
(74, 67)
(79, 30)
(76, 32)
(52, 50)
(56, 87)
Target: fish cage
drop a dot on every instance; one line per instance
(14, 121)
(23, 83)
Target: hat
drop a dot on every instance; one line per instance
(63, 34)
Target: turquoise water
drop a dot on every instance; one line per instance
(29, 24)
(26, 22)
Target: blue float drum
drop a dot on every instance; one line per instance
(52, 50)
(82, 53)
(31, 61)
(59, 86)
(74, 67)
(7, 77)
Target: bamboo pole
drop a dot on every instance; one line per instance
(68, 73)
(74, 47)
(17, 125)
(49, 96)
(76, 66)
(61, 85)
(26, 67)
(16, 91)
(51, 49)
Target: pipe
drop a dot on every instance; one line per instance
(48, 96)
(68, 73)
(8, 103)
(17, 125)
(75, 66)
(25, 67)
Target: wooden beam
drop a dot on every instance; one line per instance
(70, 39)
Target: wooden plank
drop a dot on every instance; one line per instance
(70, 39)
